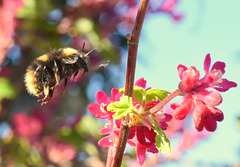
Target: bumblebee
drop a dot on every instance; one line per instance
(46, 72)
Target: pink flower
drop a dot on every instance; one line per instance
(111, 139)
(189, 76)
(203, 102)
(190, 138)
(100, 109)
(28, 127)
(168, 5)
(214, 78)
(141, 149)
(58, 151)
(142, 135)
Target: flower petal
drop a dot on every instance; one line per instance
(102, 97)
(141, 153)
(95, 110)
(105, 131)
(163, 125)
(115, 94)
(107, 141)
(150, 135)
(189, 78)
(207, 63)
(140, 133)
(219, 66)
(199, 113)
(131, 133)
(215, 113)
(167, 118)
(210, 124)
(141, 83)
(151, 147)
(182, 111)
(181, 69)
(167, 6)
(211, 98)
(224, 85)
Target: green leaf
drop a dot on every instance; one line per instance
(121, 90)
(162, 142)
(7, 90)
(138, 93)
(122, 107)
(156, 94)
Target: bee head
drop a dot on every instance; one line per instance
(85, 56)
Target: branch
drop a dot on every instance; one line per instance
(162, 103)
(131, 65)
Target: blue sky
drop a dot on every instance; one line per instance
(208, 27)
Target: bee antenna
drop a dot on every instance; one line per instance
(89, 52)
(83, 46)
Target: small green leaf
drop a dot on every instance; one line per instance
(162, 142)
(156, 94)
(7, 90)
(138, 93)
(122, 107)
(121, 90)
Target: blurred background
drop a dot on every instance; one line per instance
(63, 133)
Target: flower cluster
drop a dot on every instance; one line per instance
(147, 119)
(30, 127)
(197, 96)
(142, 135)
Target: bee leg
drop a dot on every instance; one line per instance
(50, 94)
(56, 73)
(46, 93)
(65, 84)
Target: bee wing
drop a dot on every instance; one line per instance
(69, 60)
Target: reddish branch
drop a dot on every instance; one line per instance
(131, 65)
(162, 103)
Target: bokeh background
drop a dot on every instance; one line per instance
(63, 132)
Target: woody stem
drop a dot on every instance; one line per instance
(131, 65)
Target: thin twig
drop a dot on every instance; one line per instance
(131, 65)
(162, 103)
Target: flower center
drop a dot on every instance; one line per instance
(216, 76)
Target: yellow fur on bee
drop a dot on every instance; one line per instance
(69, 51)
(30, 84)
(43, 58)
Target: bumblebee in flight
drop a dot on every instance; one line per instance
(45, 73)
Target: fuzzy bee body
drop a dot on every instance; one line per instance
(45, 73)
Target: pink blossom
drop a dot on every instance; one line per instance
(28, 127)
(58, 151)
(141, 149)
(189, 139)
(99, 109)
(141, 135)
(168, 5)
(195, 95)
(189, 76)
(214, 78)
